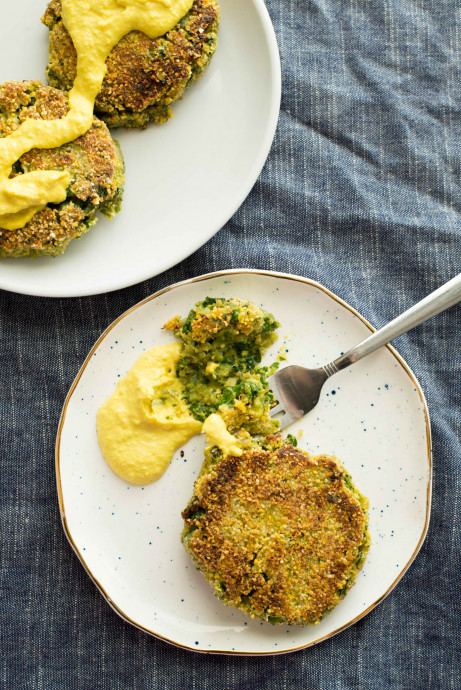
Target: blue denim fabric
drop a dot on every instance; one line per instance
(361, 192)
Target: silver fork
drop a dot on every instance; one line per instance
(297, 390)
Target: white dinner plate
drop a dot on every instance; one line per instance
(372, 416)
(184, 179)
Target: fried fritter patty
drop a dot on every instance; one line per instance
(94, 162)
(144, 76)
(278, 534)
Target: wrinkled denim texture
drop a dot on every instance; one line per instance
(361, 191)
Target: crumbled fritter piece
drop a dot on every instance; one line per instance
(277, 533)
(94, 162)
(144, 76)
(173, 324)
(224, 340)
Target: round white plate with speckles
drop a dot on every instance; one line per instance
(373, 416)
(184, 179)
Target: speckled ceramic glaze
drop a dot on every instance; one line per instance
(373, 416)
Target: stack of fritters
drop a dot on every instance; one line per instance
(143, 78)
(277, 533)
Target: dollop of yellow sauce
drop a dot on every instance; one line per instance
(145, 420)
(216, 434)
(95, 27)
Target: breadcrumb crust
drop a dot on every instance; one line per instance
(279, 534)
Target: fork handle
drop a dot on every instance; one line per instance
(444, 297)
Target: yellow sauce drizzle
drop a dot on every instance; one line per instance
(95, 27)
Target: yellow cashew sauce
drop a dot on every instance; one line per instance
(95, 27)
(146, 419)
(216, 434)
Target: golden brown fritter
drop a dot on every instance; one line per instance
(144, 76)
(278, 534)
(94, 162)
